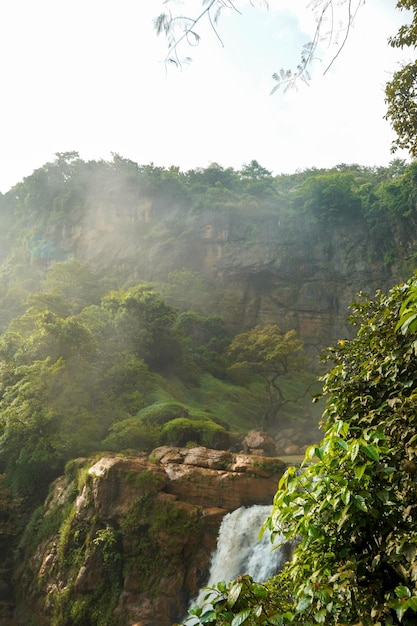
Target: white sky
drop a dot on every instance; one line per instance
(89, 76)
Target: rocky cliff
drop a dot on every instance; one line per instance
(266, 268)
(127, 541)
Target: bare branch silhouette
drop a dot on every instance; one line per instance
(181, 28)
(288, 78)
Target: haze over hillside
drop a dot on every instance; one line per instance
(143, 306)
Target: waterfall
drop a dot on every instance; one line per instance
(240, 551)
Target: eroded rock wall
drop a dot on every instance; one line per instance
(303, 274)
(128, 540)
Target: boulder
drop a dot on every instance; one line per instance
(260, 441)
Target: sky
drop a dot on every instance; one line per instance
(90, 76)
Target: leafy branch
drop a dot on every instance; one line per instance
(182, 28)
(169, 24)
(289, 78)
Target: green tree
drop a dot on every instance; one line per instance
(390, 211)
(213, 176)
(401, 90)
(274, 356)
(75, 282)
(144, 324)
(253, 171)
(257, 180)
(353, 508)
(186, 289)
(49, 407)
(62, 385)
(206, 340)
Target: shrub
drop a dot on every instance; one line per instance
(159, 414)
(131, 433)
(180, 431)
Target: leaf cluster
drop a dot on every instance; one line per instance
(401, 90)
(352, 507)
(244, 601)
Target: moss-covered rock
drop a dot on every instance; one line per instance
(122, 540)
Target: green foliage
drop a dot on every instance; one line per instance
(244, 601)
(162, 412)
(143, 323)
(96, 608)
(180, 431)
(75, 283)
(131, 434)
(74, 544)
(79, 374)
(400, 91)
(390, 209)
(353, 507)
(106, 539)
(147, 482)
(330, 196)
(60, 390)
(50, 412)
(207, 338)
(75, 369)
(148, 519)
(185, 289)
(228, 404)
(150, 209)
(71, 383)
(408, 311)
(271, 354)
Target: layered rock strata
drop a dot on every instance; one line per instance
(128, 541)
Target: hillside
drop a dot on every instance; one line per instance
(242, 244)
(139, 306)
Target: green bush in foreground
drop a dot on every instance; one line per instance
(353, 508)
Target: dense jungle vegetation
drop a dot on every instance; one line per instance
(102, 351)
(97, 357)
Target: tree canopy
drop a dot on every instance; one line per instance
(67, 326)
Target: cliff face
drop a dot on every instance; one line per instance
(127, 541)
(302, 275)
(270, 268)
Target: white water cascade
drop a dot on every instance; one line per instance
(240, 551)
